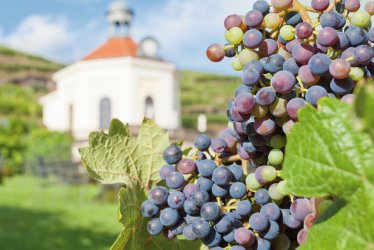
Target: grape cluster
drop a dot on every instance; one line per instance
(228, 191)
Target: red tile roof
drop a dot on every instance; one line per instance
(114, 47)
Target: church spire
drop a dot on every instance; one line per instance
(119, 17)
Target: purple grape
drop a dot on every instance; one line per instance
(166, 170)
(258, 222)
(342, 86)
(210, 211)
(302, 53)
(293, 18)
(265, 125)
(327, 37)
(237, 190)
(256, 65)
(352, 5)
(261, 6)
(300, 208)
(319, 64)
(356, 35)
(252, 38)
(250, 77)
(176, 199)
(186, 166)
(201, 228)
(262, 196)
(293, 107)
(245, 103)
(244, 237)
(274, 63)
(271, 232)
(283, 82)
(178, 228)
(149, 209)
(342, 43)
(213, 239)
(271, 211)
(204, 183)
(169, 217)
(155, 227)
(223, 224)
(233, 21)
(219, 191)
(265, 96)
(190, 208)
(291, 66)
(329, 19)
(291, 44)
(175, 180)
(158, 195)
(199, 197)
(244, 207)
(320, 5)
(206, 167)
(268, 47)
(307, 77)
(172, 154)
(202, 142)
(189, 189)
(302, 236)
(304, 30)
(218, 145)
(289, 220)
(363, 54)
(254, 18)
(237, 171)
(188, 233)
(315, 93)
(222, 176)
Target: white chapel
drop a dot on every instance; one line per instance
(120, 79)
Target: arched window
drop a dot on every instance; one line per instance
(149, 110)
(105, 113)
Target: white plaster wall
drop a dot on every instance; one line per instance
(125, 81)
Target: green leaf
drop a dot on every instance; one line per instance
(118, 158)
(364, 107)
(134, 235)
(327, 155)
(117, 127)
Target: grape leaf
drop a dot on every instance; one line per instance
(134, 234)
(118, 158)
(364, 106)
(327, 155)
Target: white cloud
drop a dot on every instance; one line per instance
(186, 28)
(40, 35)
(53, 38)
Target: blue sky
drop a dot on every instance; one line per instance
(66, 30)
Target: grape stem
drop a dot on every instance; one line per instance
(245, 167)
(302, 10)
(230, 159)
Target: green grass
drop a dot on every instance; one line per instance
(35, 216)
(203, 93)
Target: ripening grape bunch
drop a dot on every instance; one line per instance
(217, 198)
(228, 191)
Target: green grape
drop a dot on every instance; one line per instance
(269, 173)
(252, 182)
(272, 20)
(275, 157)
(356, 73)
(278, 141)
(278, 108)
(247, 55)
(287, 32)
(282, 242)
(236, 65)
(274, 194)
(260, 111)
(283, 189)
(234, 35)
(324, 205)
(361, 19)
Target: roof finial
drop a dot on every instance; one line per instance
(119, 17)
